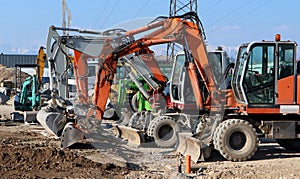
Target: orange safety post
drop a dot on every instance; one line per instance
(188, 164)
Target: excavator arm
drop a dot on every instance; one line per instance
(81, 74)
(147, 56)
(180, 29)
(52, 117)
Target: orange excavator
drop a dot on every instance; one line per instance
(162, 127)
(265, 83)
(60, 111)
(59, 116)
(187, 31)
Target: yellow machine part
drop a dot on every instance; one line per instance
(40, 61)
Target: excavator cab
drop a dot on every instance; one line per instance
(180, 84)
(177, 80)
(219, 61)
(265, 74)
(181, 92)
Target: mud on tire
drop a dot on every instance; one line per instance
(164, 130)
(236, 140)
(215, 136)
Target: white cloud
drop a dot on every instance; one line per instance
(23, 50)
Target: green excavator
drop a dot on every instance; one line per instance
(29, 99)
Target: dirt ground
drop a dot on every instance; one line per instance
(26, 153)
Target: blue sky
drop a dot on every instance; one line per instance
(228, 23)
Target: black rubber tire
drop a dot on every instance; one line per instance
(164, 130)
(236, 140)
(289, 144)
(151, 126)
(215, 136)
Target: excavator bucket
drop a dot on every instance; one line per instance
(70, 135)
(133, 136)
(188, 145)
(55, 126)
(50, 121)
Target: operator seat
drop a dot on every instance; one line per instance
(285, 72)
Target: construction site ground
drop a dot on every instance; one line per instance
(27, 153)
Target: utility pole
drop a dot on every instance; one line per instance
(65, 9)
(179, 7)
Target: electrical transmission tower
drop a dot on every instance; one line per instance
(179, 7)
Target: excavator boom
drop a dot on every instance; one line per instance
(174, 29)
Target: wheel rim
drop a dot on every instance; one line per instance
(237, 140)
(165, 132)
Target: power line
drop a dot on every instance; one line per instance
(212, 6)
(247, 13)
(100, 13)
(110, 13)
(141, 8)
(230, 13)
